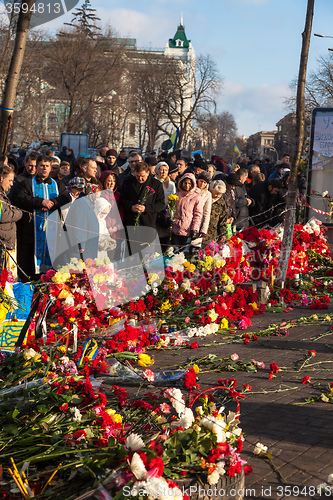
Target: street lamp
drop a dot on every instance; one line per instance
(322, 36)
(277, 154)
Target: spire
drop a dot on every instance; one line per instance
(181, 20)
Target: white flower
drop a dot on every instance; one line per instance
(138, 467)
(134, 442)
(325, 193)
(177, 400)
(330, 478)
(220, 467)
(77, 415)
(321, 488)
(260, 449)
(213, 477)
(29, 353)
(207, 422)
(187, 418)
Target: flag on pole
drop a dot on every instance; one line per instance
(174, 138)
(236, 149)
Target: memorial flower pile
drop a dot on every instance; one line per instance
(68, 425)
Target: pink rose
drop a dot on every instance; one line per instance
(234, 357)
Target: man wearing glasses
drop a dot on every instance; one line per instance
(133, 159)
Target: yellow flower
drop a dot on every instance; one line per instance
(154, 277)
(225, 277)
(314, 316)
(213, 315)
(172, 197)
(37, 358)
(327, 318)
(62, 348)
(161, 420)
(145, 360)
(60, 277)
(64, 294)
(166, 305)
(118, 419)
(224, 323)
(190, 267)
(196, 368)
(254, 306)
(324, 398)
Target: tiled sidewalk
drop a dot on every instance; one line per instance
(299, 436)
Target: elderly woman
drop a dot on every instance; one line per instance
(8, 217)
(217, 229)
(162, 175)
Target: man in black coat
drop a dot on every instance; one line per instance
(141, 194)
(29, 172)
(26, 200)
(264, 194)
(242, 201)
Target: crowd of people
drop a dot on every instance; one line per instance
(212, 201)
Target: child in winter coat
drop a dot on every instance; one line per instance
(188, 215)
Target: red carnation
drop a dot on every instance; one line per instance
(274, 367)
(312, 353)
(306, 380)
(194, 345)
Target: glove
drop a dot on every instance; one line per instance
(202, 235)
(194, 235)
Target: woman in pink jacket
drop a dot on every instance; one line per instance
(188, 215)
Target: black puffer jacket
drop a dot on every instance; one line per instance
(242, 207)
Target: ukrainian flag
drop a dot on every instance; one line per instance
(174, 138)
(236, 149)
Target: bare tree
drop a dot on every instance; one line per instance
(83, 72)
(196, 87)
(217, 133)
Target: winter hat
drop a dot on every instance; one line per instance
(200, 164)
(205, 176)
(173, 169)
(159, 165)
(77, 182)
(105, 175)
(232, 179)
(111, 152)
(218, 186)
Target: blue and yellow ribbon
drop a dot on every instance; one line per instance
(93, 346)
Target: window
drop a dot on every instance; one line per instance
(132, 129)
(179, 43)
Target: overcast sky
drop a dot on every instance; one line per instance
(255, 43)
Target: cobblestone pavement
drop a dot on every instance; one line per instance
(299, 436)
